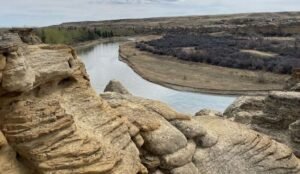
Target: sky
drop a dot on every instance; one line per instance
(29, 13)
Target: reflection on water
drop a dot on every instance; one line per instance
(102, 64)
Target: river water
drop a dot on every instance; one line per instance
(103, 64)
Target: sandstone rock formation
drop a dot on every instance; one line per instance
(54, 122)
(27, 35)
(208, 112)
(202, 144)
(116, 86)
(277, 115)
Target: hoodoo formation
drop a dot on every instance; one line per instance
(53, 122)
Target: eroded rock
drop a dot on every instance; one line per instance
(116, 86)
(186, 169)
(58, 124)
(179, 158)
(276, 114)
(208, 112)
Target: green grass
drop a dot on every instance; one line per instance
(59, 35)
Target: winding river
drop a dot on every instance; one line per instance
(103, 64)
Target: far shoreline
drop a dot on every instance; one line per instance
(124, 57)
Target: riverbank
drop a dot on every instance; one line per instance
(87, 44)
(198, 77)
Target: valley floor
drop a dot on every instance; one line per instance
(198, 77)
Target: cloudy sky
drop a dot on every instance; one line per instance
(48, 12)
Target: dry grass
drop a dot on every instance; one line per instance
(171, 72)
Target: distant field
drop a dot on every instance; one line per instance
(272, 24)
(199, 77)
(234, 51)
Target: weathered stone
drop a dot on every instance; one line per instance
(116, 86)
(8, 160)
(179, 158)
(240, 150)
(165, 140)
(189, 128)
(186, 169)
(150, 161)
(27, 35)
(239, 110)
(9, 42)
(272, 114)
(207, 140)
(139, 141)
(58, 124)
(208, 112)
(18, 75)
(2, 62)
(157, 172)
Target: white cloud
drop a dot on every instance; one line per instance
(47, 12)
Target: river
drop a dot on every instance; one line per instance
(103, 64)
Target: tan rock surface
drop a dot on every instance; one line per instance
(55, 123)
(240, 150)
(8, 159)
(52, 129)
(276, 115)
(223, 146)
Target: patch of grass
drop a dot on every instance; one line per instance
(61, 35)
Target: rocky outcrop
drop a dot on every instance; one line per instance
(53, 122)
(276, 115)
(116, 86)
(208, 112)
(8, 159)
(27, 35)
(203, 144)
(50, 128)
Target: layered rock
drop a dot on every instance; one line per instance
(27, 35)
(8, 159)
(277, 115)
(54, 122)
(53, 130)
(202, 144)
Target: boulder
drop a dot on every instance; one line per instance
(179, 158)
(9, 42)
(116, 86)
(190, 128)
(18, 75)
(206, 112)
